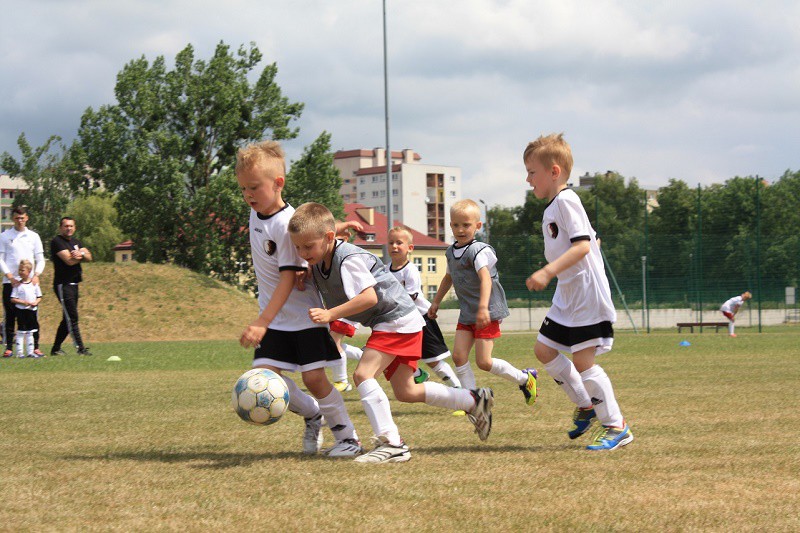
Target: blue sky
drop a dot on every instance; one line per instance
(700, 91)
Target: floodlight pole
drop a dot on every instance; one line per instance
(389, 214)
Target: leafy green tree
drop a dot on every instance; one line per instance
(96, 218)
(314, 178)
(52, 176)
(170, 135)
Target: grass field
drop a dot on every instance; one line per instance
(151, 443)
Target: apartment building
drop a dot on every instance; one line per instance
(9, 188)
(421, 193)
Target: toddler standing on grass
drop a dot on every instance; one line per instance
(26, 297)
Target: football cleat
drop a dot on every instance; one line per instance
(37, 352)
(421, 377)
(529, 388)
(344, 448)
(582, 420)
(58, 352)
(342, 386)
(481, 414)
(385, 452)
(611, 438)
(312, 436)
(8, 353)
(84, 351)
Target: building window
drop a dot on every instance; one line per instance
(395, 192)
(375, 194)
(381, 209)
(383, 193)
(452, 194)
(362, 195)
(452, 179)
(418, 263)
(394, 177)
(431, 264)
(432, 292)
(369, 237)
(362, 181)
(374, 179)
(395, 208)
(124, 257)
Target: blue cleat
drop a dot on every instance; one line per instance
(611, 438)
(582, 420)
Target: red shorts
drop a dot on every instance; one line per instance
(492, 331)
(406, 347)
(728, 315)
(348, 330)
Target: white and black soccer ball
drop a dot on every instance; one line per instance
(260, 396)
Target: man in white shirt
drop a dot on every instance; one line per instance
(16, 244)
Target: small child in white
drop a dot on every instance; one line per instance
(731, 307)
(579, 321)
(26, 297)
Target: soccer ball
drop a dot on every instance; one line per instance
(260, 397)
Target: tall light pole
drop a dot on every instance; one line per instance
(389, 214)
(486, 221)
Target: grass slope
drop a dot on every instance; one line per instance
(143, 302)
(151, 443)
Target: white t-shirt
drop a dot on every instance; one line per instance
(356, 277)
(408, 276)
(486, 257)
(272, 252)
(732, 306)
(18, 245)
(582, 296)
(27, 292)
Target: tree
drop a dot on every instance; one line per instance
(52, 177)
(314, 178)
(170, 135)
(96, 217)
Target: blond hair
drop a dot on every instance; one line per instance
(466, 206)
(25, 263)
(746, 295)
(551, 150)
(312, 217)
(266, 154)
(403, 229)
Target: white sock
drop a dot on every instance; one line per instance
(352, 352)
(339, 370)
(605, 403)
(300, 403)
(376, 406)
(20, 342)
(730, 328)
(439, 395)
(333, 409)
(446, 374)
(29, 338)
(507, 371)
(567, 377)
(465, 376)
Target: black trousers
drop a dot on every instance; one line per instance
(68, 296)
(11, 319)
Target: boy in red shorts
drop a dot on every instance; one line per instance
(472, 272)
(354, 284)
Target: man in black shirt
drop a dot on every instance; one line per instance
(67, 254)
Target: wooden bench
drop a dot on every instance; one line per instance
(691, 325)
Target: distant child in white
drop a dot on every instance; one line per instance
(26, 297)
(731, 307)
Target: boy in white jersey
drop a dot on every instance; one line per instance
(731, 307)
(434, 349)
(284, 337)
(26, 297)
(472, 272)
(354, 284)
(579, 321)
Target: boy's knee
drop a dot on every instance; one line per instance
(484, 364)
(359, 377)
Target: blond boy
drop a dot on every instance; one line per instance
(472, 272)
(284, 337)
(580, 319)
(26, 297)
(731, 307)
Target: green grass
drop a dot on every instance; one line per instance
(151, 443)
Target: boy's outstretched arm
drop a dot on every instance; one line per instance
(363, 301)
(252, 334)
(444, 286)
(542, 277)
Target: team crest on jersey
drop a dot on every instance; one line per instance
(270, 247)
(552, 229)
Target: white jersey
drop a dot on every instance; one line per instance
(27, 292)
(273, 252)
(18, 245)
(732, 306)
(408, 276)
(582, 296)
